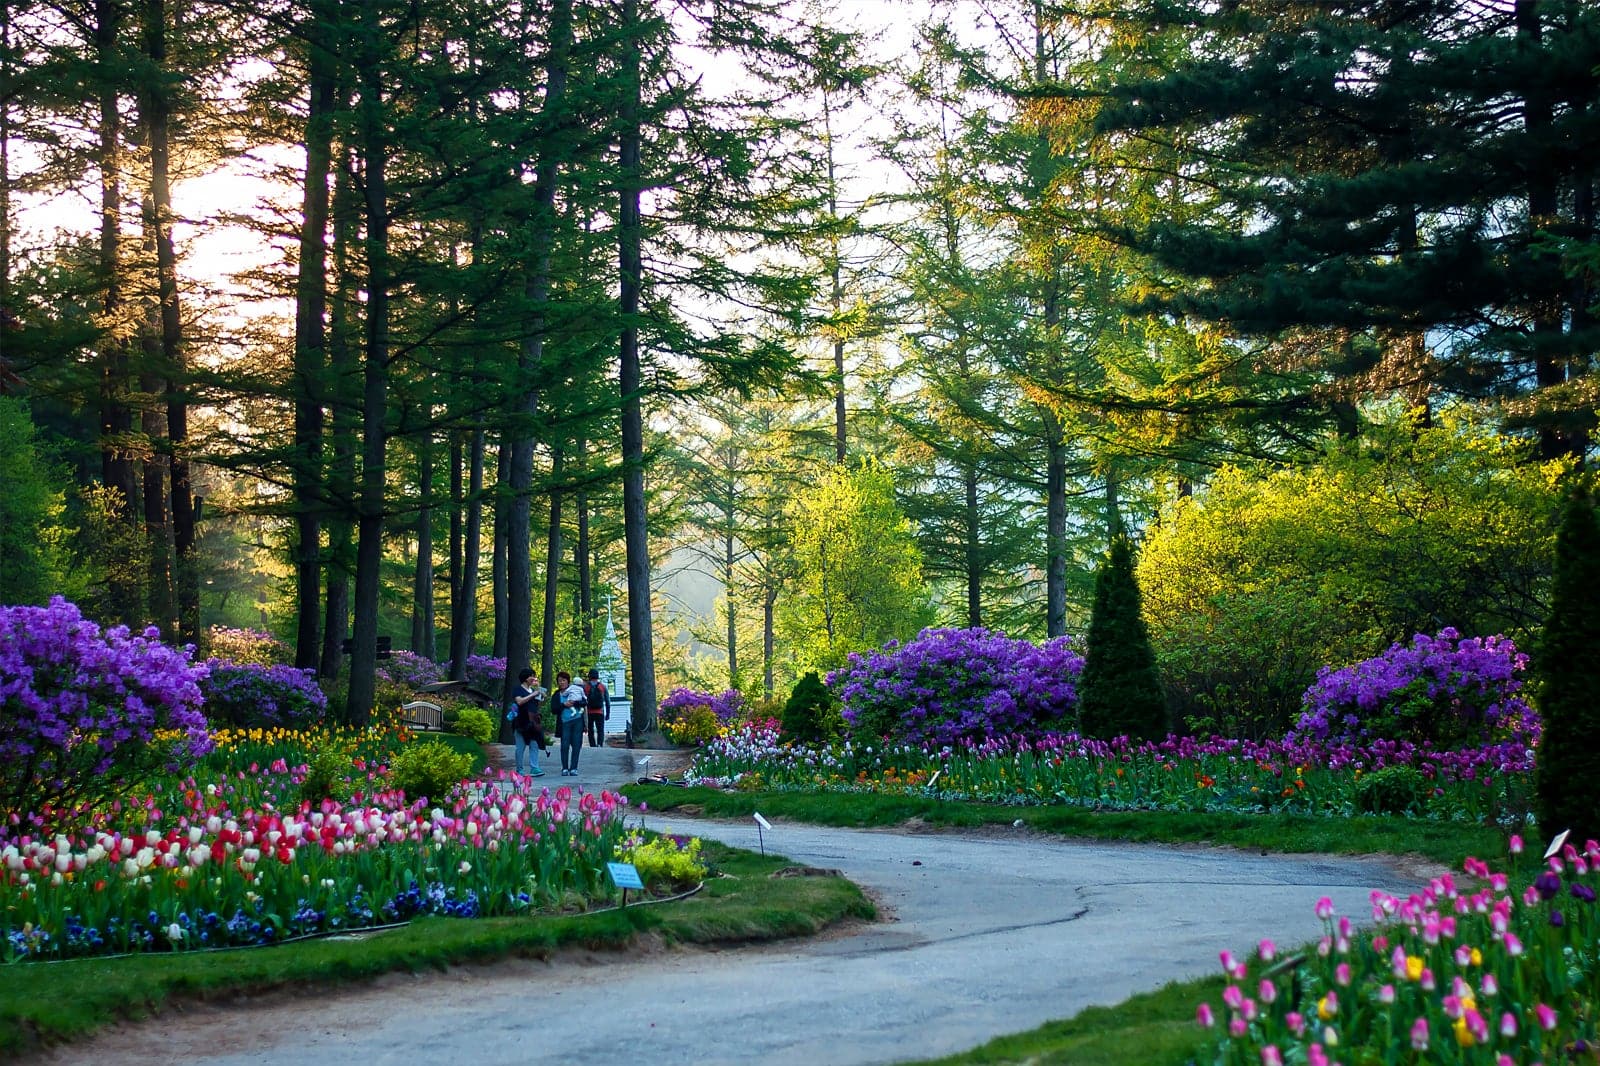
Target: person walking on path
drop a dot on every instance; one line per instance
(599, 704)
(527, 725)
(571, 704)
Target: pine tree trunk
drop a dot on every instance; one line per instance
(634, 519)
(769, 603)
(536, 289)
(5, 166)
(116, 420)
(310, 345)
(374, 402)
(340, 563)
(1055, 529)
(464, 613)
(422, 624)
(973, 523)
(457, 517)
(580, 553)
(552, 574)
(497, 563)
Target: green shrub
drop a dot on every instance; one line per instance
(429, 769)
(327, 777)
(811, 716)
(1119, 691)
(1569, 667)
(672, 860)
(473, 722)
(450, 714)
(1393, 790)
(387, 695)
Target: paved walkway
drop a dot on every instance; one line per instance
(990, 934)
(609, 767)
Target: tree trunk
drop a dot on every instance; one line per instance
(464, 613)
(374, 402)
(974, 546)
(769, 603)
(457, 517)
(1055, 529)
(536, 289)
(340, 563)
(552, 575)
(310, 343)
(422, 625)
(580, 554)
(116, 420)
(497, 564)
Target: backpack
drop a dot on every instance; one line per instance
(596, 692)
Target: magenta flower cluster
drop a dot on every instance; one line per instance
(727, 705)
(1446, 690)
(951, 686)
(247, 694)
(80, 708)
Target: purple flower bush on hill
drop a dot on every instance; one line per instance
(86, 714)
(486, 673)
(727, 705)
(247, 694)
(1447, 690)
(954, 685)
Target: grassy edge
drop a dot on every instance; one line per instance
(1443, 842)
(45, 1004)
(1152, 1028)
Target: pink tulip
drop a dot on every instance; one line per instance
(1546, 1016)
(1203, 1015)
(1419, 1035)
(1508, 1025)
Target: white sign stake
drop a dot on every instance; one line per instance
(1555, 845)
(762, 824)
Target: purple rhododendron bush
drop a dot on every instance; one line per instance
(86, 714)
(1448, 690)
(953, 685)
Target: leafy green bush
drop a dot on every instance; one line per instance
(672, 860)
(429, 769)
(473, 722)
(327, 777)
(811, 716)
(1393, 790)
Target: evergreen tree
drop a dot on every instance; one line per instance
(1119, 692)
(1569, 668)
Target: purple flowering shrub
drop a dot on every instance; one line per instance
(1447, 690)
(249, 695)
(486, 673)
(85, 714)
(692, 717)
(246, 646)
(410, 670)
(953, 685)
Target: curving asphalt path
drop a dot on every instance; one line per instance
(990, 934)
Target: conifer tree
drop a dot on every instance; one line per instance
(1569, 667)
(1119, 692)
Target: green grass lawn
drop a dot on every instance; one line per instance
(48, 1003)
(1444, 842)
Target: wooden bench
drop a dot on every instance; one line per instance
(420, 714)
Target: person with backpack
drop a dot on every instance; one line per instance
(570, 709)
(527, 723)
(599, 704)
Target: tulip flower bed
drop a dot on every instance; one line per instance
(233, 856)
(1453, 974)
(1485, 784)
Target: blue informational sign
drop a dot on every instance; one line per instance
(624, 875)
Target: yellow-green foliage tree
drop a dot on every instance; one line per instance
(858, 572)
(1253, 584)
